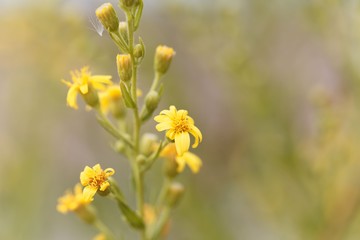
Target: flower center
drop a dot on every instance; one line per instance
(97, 180)
(181, 125)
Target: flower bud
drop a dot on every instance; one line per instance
(123, 30)
(138, 51)
(124, 66)
(174, 193)
(141, 159)
(148, 144)
(107, 16)
(163, 57)
(152, 100)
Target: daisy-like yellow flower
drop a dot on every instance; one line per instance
(188, 158)
(71, 202)
(178, 125)
(94, 179)
(83, 82)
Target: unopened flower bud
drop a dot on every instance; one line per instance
(124, 66)
(174, 193)
(107, 16)
(141, 159)
(138, 51)
(148, 144)
(152, 100)
(163, 57)
(123, 30)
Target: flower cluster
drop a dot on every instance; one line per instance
(114, 102)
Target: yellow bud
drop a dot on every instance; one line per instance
(163, 57)
(107, 16)
(124, 66)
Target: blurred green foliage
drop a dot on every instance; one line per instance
(273, 85)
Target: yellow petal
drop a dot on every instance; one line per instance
(193, 161)
(104, 186)
(197, 134)
(181, 164)
(171, 134)
(71, 97)
(182, 142)
(109, 172)
(105, 79)
(163, 126)
(162, 118)
(88, 193)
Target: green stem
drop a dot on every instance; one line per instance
(138, 176)
(106, 124)
(155, 231)
(155, 83)
(164, 188)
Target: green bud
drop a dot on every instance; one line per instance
(163, 57)
(174, 193)
(148, 143)
(107, 16)
(124, 66)
(139, 51)
(141, 159)
(152, 100)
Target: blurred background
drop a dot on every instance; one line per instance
(274, 87)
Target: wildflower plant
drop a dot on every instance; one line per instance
(115, 102)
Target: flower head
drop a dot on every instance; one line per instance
(163, 57)
(178, 125)
(110, 95)
(94, 179)
(84, 83)
(188, 158)
(72, 201)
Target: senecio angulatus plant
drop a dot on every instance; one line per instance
(119, 112)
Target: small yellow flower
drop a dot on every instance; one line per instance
(106, 97)
(188, 158)
(72, 201)
(110, 95)
(94, 179)
(163, 57)
(178, 125)
(83, 82)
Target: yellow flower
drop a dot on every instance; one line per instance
(83, 82)
(112, 94)
(188, 158)
(72, 201)
(178, 125)
(94, 179)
